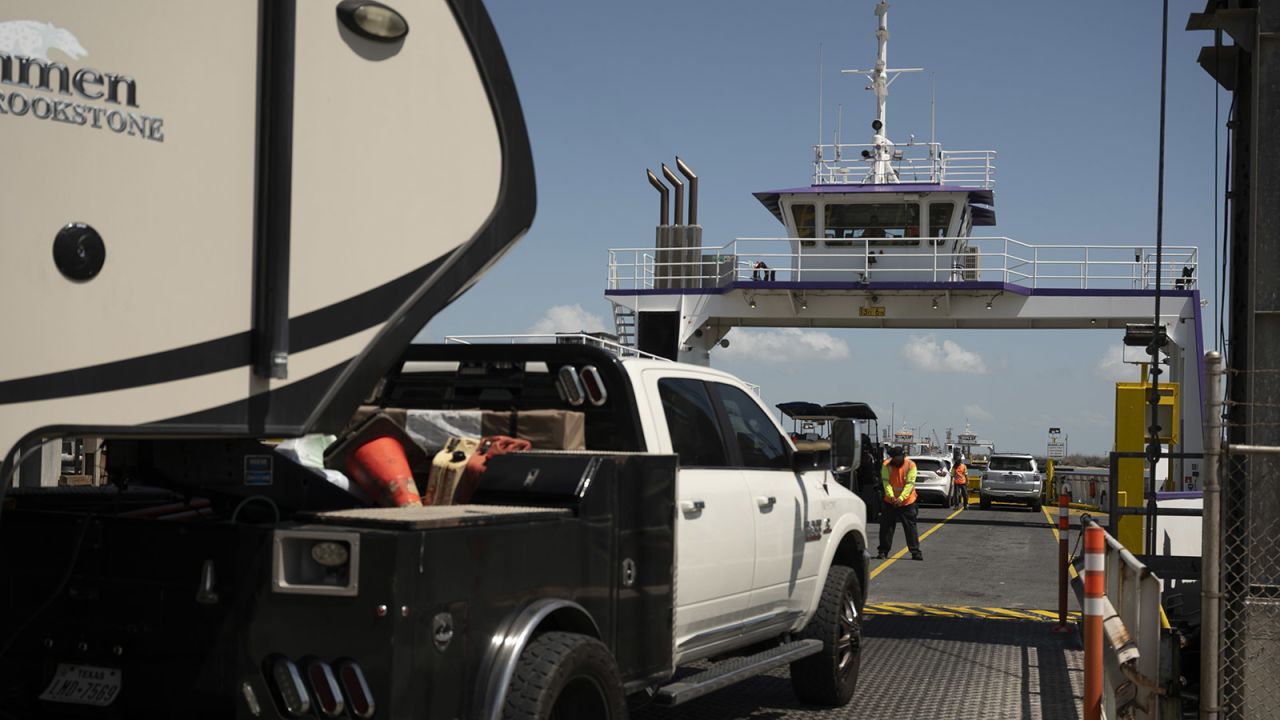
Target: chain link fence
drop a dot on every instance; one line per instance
(1250, 640)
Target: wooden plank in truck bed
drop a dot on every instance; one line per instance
(419, 517)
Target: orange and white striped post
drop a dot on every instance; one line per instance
(1063, 527)
(1094, 592)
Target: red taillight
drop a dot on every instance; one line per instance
(355, 688)
(593, 384)
(324, 687)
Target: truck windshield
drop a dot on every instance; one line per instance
(1010, 463)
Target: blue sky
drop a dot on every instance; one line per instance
(1067, 93)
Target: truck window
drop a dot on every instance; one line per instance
(691, 420)
(759, 441)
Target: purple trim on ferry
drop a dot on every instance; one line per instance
(1179, 495)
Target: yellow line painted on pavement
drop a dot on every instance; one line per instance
(898, 555)
(1053, 525)
(904, 609)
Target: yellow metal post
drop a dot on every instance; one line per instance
(1048, 483)
(1132, 416)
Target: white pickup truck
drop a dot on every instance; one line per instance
(682, 527)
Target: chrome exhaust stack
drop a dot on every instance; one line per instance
(662, 190)
(693, 190)
(678, 218)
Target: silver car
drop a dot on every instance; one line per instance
(1011, 477)
(933, 479)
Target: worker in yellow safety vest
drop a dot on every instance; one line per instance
(898, 478)
(960, 476)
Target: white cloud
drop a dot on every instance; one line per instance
(784, 345)
(926, 353)
(1112, 367)
(977, 412)
(568, 318)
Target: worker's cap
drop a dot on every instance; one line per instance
(895, 452)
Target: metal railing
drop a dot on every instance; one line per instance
(845, 164)
(862, 260)
(1134, 682)
(617, 348)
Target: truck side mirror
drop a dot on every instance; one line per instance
(846, 446)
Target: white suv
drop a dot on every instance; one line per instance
(1011, 477)
(933, 479)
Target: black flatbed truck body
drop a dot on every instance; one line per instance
(598, 559)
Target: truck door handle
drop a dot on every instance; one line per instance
(692, 506)
(766, 502)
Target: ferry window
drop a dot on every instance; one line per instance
(692, 423)
(876, 221)
(940, 219)
(804, 217)
(758, 439)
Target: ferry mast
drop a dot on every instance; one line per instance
(881, 77)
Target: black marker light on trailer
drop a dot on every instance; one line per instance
(372, 20)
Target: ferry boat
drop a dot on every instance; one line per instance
(888, 234)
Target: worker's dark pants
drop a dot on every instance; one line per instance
(890, 516)
(960, 494)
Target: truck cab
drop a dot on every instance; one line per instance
(739, 487)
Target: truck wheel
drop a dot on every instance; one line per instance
(565, 676)
(828, 678)
(984, 502)
(1036, 505)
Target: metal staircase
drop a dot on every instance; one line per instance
(624, 324)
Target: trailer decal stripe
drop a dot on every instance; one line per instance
(316, 328)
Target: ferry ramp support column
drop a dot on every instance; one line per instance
(1248, 64)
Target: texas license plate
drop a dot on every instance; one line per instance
(83, 685)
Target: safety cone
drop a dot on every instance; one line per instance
(380, 468)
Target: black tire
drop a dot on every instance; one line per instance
(1036, 505)
(829, 677)
(565, 676)
(984, 502)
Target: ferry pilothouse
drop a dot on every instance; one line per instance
(883, 211)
